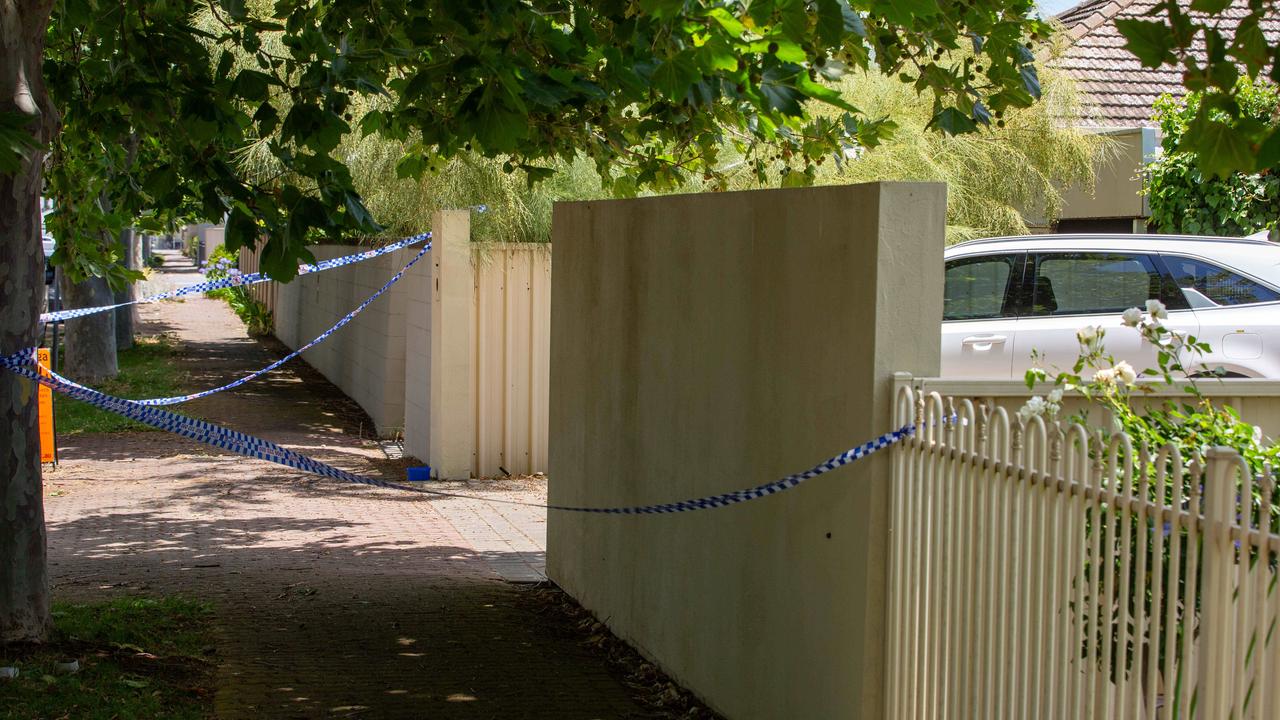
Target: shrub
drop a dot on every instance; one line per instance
(1183, 200)
(255, 315)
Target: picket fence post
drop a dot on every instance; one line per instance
(1216, 636)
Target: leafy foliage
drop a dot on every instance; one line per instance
(254, 314)
(155, 100)
(997, 177)
(1185, 200)
(1222, 133)
(1194, 428)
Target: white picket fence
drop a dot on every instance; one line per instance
(1040, 572)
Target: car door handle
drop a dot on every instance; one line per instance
(984, 340)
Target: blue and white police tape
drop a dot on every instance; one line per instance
(237, 280)
(176, 399)
(254, 447)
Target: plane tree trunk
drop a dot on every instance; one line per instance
(89, 346)
(24, 582)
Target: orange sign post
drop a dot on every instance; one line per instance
(44, 396)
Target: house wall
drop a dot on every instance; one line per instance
(706, 343)
(1118, 190)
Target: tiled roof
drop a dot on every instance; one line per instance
(1117, 90)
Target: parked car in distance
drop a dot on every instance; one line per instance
(1005, 297)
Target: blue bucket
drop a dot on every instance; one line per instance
(419, 474)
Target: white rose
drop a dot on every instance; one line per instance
(1090, 337)
(1106, 376)
(1125, 373)
(1156, 309)
(1055, 397)
(1035, 406)
(1131, 317)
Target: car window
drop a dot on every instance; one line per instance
(1219, 285)
(1092, 283)
(976, 287)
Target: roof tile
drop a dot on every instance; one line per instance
(1117, 89)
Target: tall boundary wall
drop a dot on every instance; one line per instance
(706, 343)
(454, 357)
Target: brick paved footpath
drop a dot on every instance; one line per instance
(332, 600)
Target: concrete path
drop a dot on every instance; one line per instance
(332, 600)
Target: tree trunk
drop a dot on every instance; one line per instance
(126, 315)
(24, 580)
(89, 347)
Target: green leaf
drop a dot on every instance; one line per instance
(252, 85)
(717, 54)
(372, 122)
(1149, 40)
(1220, 149)
(953, 122)
(1210, 7)
(500, 128)
(411, 165)
(731, 24)
(1030, 80)
(235, 8)
(662, 8)
(821, 92)
(673, 77)
(783, 98)
(1269, 151)
(358, 213)
(761, 11)
(907, 12)
(1250, 46)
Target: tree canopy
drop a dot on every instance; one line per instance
(1223, 135)
(156, 101)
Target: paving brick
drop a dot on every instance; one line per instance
(332, 600)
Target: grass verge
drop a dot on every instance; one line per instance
(148, 369)
(139, 658)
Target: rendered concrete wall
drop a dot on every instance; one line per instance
(1118, 189)
(706, 343)
(467, 329)
(366, 359)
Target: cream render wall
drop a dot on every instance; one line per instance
(456, 354)
(366, 359)
(706, 343)
(1118, 187)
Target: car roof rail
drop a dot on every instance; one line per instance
(1154, 237)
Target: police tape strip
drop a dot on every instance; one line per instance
(255, 447)
(27, 355)
(238, 280)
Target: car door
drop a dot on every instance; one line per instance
(1071, 290)
(978, 314)
(1236, 314)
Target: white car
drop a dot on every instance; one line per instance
(1008, 296)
